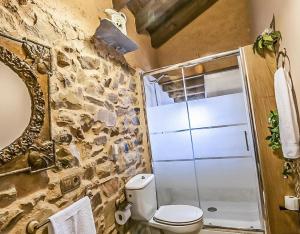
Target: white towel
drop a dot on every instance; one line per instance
(288, 123)
(75, 219)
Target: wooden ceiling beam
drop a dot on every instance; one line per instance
(177, 21)
(119, 4)
(155, 13)
(136, 5)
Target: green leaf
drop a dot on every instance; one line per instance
(266, 41)
(274, 137)
(268, 37)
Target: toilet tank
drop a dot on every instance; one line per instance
(141, 192)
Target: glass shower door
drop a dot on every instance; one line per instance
(171, 145)
(223, 151)
(202, 143)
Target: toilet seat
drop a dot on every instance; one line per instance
(178, 218)
(181, 215)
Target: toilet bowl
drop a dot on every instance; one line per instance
(178, 219)
(141, 192)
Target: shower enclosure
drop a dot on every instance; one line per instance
(202, 141)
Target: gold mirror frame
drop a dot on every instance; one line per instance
(40, 154)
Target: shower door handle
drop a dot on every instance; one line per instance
(246, 140)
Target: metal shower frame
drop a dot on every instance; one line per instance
(241, 63)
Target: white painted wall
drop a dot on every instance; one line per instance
(287, 21)
(222, 83)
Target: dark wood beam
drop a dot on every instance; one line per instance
(177, 21)
(119, 4)
(155, 13)
(136, 5)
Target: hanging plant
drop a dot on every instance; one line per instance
(275, 144)
(267, 40)
(274, 137)
(287, 168)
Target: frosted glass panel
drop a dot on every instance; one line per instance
(176, 183)
(170, 117)
(229, 186)
(205, 157)
(216, 111)
(221, 142)
(171, 146)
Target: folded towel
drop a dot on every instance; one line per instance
(75, 219)
(288, 122)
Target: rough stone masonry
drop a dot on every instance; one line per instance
(95, 103)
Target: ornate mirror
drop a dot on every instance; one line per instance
(25, 130)
(15, 106)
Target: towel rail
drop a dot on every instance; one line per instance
(34, 225)
(284, 56)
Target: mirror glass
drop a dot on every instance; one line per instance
(15, 106)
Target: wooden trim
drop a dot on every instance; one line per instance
(260, 77)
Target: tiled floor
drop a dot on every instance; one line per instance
(218, 231)
(143, 228)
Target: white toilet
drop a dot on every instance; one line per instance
(141, 192)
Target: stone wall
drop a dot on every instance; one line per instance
(95, 104)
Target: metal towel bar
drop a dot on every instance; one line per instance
(34, 225)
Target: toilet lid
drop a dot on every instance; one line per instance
(178, 214)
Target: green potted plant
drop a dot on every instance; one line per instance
(268, 40)
(274, 137)
(275, 144)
